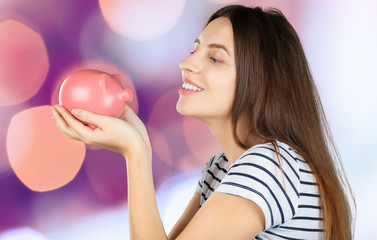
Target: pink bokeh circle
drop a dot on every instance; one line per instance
(165, 129)
(41, 156)
(23, 62)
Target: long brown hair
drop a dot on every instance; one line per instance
(275, 91)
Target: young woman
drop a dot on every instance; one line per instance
(248, 80)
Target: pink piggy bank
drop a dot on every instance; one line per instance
(95, 91)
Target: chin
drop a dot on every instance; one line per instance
(185, 110)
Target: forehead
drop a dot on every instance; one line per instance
(218, 31)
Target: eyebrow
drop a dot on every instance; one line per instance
(214, 45)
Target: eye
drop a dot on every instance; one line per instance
(214, 60)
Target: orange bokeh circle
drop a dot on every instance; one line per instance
(42, 157)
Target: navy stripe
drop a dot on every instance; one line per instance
(275, 163)
(305, 171)
(309, 195)
(289, 164)
(220, 168)
(254, 191)
(210, 188)
(309, 206)
(274, 178)
(295, 158)
(213, 158)
(204, 196)
(213, 176)
(290, 238)
(309, 183)
(269, 189)
(308, 218)
(201, 186)
(303, 161)
(225, 157)
(303, 229)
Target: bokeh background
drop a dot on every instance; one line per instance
(55, 188)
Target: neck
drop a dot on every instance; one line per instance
(222, 131)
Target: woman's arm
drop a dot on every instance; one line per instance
(128, 136)
(144, 218)
(186, 217)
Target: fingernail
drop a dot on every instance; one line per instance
(76, 112)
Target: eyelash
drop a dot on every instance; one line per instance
(214, 60)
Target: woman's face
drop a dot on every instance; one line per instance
(209, 74)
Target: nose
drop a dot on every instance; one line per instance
(189, 64)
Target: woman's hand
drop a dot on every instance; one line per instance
(126, 135)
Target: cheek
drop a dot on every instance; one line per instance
(223, 96)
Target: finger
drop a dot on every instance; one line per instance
(91, 118)
(63, 126)
(73, 123)
(130, 116)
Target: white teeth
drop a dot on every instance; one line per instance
(189, 86)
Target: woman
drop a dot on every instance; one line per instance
(248, 80)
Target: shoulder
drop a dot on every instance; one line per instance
(278, 159)
(267, 175)
(215, 159)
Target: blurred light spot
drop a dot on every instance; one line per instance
(42, 157)
(189, 162)
(106, 173)
(174, 195)
(344, 67)
(160, 145)
(56, 209)
(23, 62)
(141, 19)
(22, 233)
(200, 140)
(166, 129)
(223, 1)
(111, 224)
(160, 56)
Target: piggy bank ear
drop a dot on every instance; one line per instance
(102, 80)
(118, 77)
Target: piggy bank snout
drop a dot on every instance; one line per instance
(127, 95)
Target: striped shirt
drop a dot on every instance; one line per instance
(289, 199)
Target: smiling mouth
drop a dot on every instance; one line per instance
(189, 86)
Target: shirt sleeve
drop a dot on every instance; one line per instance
(199, 186)
(258, 176)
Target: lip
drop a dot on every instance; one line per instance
(183, 91)
(186, 80)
